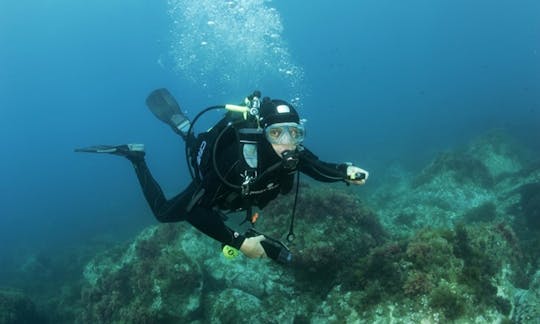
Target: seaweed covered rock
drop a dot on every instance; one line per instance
(332, 226)
(173, 274)
(225, 306)
(144, 282)
(15, 307)
(476, 183)
(530, 204)
(437, 197)
(485, 212)
(456, 167)
(482, 162)
(260, 278)
(465, 273)
(499, 153)
(527, 303)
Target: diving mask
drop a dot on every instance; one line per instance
(285, 133)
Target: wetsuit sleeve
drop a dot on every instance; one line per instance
(319, 170)
(210, 223)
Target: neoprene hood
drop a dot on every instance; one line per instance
(274, 111)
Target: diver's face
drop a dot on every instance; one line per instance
(284, 136)
(280, 148)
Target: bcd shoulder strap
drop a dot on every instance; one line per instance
(228, 130)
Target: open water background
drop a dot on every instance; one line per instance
(380, 83)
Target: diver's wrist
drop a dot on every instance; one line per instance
(343, 167)
(237, 241)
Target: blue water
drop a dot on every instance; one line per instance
(379, 82)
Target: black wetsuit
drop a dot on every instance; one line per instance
(202, 208)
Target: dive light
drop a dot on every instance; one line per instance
(273, 248)
(357, 176)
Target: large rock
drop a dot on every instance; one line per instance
(17, 308)
(236, 306)
(332, 226)
(152, 280)
(479, 182)
(168, 273)
(436, 276)
(527, 303)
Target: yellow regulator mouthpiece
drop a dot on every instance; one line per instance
(229, 252)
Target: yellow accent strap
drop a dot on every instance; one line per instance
(241, 109)
(236, 108)
(229, 252)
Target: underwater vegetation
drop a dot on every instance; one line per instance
(486, 213)
(454, 271)
(15, 307)
(458, 242)
(460, 166)
(530, 204)
(331, 227)
(142, 283)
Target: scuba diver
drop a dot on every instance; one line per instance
(246, 160)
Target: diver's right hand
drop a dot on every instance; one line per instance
(252, 247)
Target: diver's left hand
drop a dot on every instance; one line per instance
(252, 247)
(356, 175)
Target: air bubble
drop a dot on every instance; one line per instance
(232, 45)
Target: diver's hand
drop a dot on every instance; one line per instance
(356, 175)
(252, 247)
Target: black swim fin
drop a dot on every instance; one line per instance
(163, 105)
(131, 151)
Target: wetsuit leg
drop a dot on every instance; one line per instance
(204, 218)
(164, 210)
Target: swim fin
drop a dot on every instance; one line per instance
(163, 105)
(130, 151)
